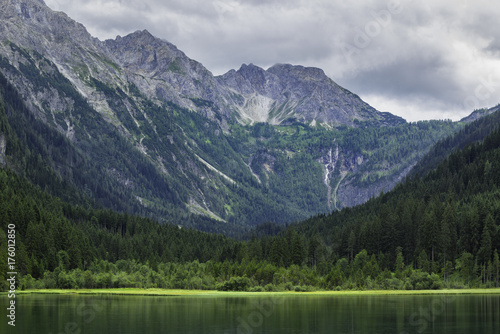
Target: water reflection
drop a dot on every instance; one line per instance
(257, 314)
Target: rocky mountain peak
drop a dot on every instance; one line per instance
(161, 71)
(306, 94)
(36, 25)
(249, 79)
(298, 71)
(138, 40)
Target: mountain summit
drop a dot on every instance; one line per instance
(304, 94)
(162, 72)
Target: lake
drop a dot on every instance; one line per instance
(221, 314)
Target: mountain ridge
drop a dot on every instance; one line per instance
(161, 71)
(286, 91)
(156, 132)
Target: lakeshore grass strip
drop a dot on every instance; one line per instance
(180, 292)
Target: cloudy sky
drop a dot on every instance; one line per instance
(428, 59)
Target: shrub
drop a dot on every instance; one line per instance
(423, 281)
(27, 282)
(235, 284)
(304, 288)
(270, 287)
(4, 286)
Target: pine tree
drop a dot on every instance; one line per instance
(313, 250)
(485, 251)
(278, 252)
(448, 235)
(496, 267)
(298, 250)
(465, 264)
(400, 265)
(429, 235)
(351, 242)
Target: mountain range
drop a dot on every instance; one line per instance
(133, 124)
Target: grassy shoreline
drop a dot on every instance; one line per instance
(179, 292)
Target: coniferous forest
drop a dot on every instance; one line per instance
(77, 224)
(439, 230)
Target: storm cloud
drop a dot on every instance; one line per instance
(417, 59)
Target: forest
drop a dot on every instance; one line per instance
(76, 227)
(436, 231)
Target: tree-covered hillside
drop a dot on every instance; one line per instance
(439, 222)
(437, 231)
(175, 165)
(470, 133)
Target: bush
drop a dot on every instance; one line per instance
(270, 287)
(49, 280)
(304, 288)
(235, 284)
(65, 281)
(420, 280)
(4, 286)
(27, 282)
(392, 284)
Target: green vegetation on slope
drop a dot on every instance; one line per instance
(155, 159)
(438, 231)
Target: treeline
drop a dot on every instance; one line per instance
(440, 222)
(48, 229)
(363, 273)
(63, 246)
(471, 133)
(438, 231)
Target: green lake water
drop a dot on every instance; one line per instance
(289, 314)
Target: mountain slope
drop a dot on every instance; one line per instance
(450, 214)
(134, 125)
(482, 124)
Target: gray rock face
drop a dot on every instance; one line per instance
(164, 73)
(305, 94)
(477, 114)
(3, 146)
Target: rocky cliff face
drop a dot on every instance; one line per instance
(157, 68)
(162, 72)
(3, 146)
(302, 93)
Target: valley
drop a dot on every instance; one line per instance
(127, 164)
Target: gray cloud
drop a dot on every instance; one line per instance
(417, 59)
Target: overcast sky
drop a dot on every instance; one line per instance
(428, 59)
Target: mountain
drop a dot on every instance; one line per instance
(477, 114)
(480, 124)
(94, 131)
(440, 221)
(134, 125)
(306, 94)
